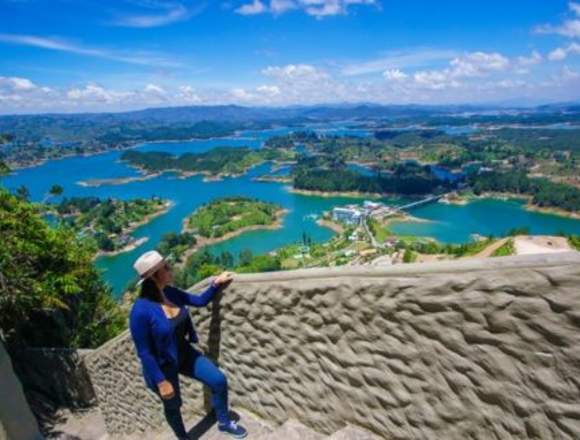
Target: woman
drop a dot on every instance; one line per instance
(163, 333)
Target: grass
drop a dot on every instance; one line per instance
(505, 250)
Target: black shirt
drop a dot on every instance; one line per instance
(179, 324)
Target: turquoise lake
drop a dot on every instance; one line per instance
(448, 223)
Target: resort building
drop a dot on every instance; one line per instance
(348, 215)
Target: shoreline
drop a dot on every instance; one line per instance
(559, 212)
(127, 248)
(95, 183)
(352, 194)
(203, 241)
(134, 244)
(329, 224)
(273, 179)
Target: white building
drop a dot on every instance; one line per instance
(348, 215)
(371, 206)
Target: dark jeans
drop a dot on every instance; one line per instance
(197, 366)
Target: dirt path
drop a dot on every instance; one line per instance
(488, 251)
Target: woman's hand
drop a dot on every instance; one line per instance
(166, 390)
(223, 279)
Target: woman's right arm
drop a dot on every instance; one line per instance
(141, 333)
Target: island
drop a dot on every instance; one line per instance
(219, 220)
(109, 222)
(216, 163)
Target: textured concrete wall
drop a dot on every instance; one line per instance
(477, 349)
(16, 419)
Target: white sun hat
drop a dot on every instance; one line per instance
(147, 264)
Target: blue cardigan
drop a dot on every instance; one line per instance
(152, 333)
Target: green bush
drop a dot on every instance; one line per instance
(50, 292)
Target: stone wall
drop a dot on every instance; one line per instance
(473, 349)
(16, 419)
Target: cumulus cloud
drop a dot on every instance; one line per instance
(477, 64)
(256, 7)
(569, 74)
(295, 72)
(188, 94)
(395, 75)
(315, 8)
(467, 66)
(269, 90)
(561, 53)
(469, 77)
(534, 58)
(154, 88)
(568, 28)
(16, 83)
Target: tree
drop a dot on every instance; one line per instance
(56, 190)
(4, 169)
(51, 294)
(245, 257)
(22, 193)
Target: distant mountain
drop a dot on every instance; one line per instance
(236, 113)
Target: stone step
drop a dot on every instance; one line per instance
(350, 432)
(256, 428)
(290, 430)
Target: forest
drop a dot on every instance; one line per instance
(544, 193)
(327, 174)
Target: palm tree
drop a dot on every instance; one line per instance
(4, 169)
(22, 193)
(54, 191)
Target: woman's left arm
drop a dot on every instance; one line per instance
(189, 299)
(204, 298)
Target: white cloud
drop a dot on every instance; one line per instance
(569, 28)
(569, 74)
(155, 89)
(477, 64)
(16, 83)
(64, 46)
(315, 8)
(561, 53)
(242, 94)
(534, 58)
(269, 90)
(293, 72)
(156, 13)
(394, 75)
(435, 80)
(257, 7)
(471, 77)
(94, 93)
(399, 60)
(188, 94)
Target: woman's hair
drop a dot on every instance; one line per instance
(149, 290)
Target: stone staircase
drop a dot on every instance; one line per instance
(91, 426)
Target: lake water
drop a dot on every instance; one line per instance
(449, 223)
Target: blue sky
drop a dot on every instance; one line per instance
(95, 55)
